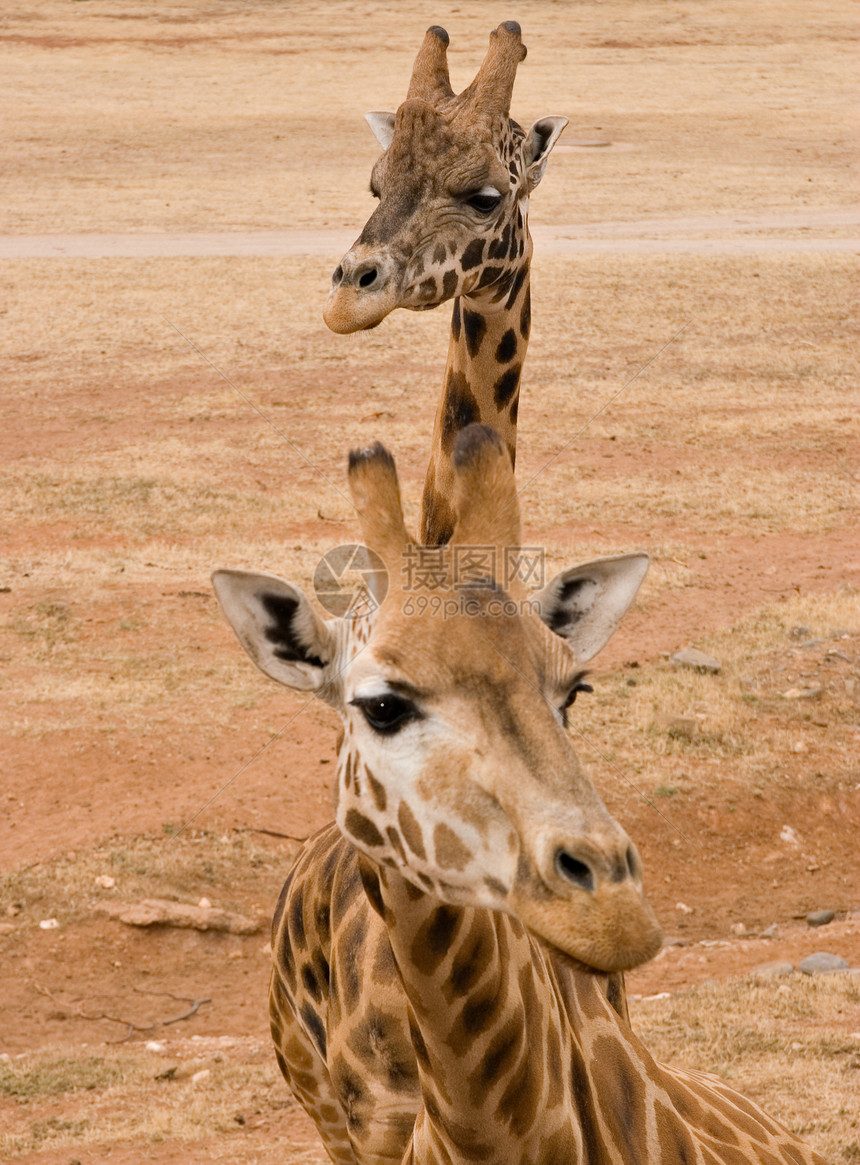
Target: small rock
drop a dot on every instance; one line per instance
(801, 631)
(802, 693)
(820, 917)
(203, 1074)
(697, 661)
(48, 924)
(788, 835)
(683, 908)
(822, 963)
(776, 970)
(161, 912)
(739, 929)
(770, 931)
(105, 881)
(155, 1046)
(205, 904)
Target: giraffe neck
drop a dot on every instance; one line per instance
(489, 339)
(524, 1055)
(484, 1028)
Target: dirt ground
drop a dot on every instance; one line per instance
(174, 192)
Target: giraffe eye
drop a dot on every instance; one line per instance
(484, 201)
(386, 714)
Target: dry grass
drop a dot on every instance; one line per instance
(791, 1045)
(183, 867)
(256, 105)
(131, 676)
(746, 720)
(132, 468)
(77, 1101)
(160, 471)
(773, 448)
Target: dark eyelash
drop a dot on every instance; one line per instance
(578, 685)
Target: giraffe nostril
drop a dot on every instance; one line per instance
(337, 275)
(573, 870)
(368, 278)
(633, 862)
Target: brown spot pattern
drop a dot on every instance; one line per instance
(451, 852)
(506, 386)
(362, 829)
(461, 409)
(411, 830)
(475, 327)
(377, 789)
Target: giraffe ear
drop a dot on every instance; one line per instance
(538, 144)
(585, 604)
(382, 125)
(276, 624)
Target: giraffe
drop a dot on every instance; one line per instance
(453, 186)
(510, 820)
(446, 981)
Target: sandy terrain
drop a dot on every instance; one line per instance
(174, 191)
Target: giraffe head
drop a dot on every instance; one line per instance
(455, 767)
(453, 186)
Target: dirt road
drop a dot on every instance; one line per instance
(743, 234)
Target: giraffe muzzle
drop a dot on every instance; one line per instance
(587, 899)
(363, 292)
